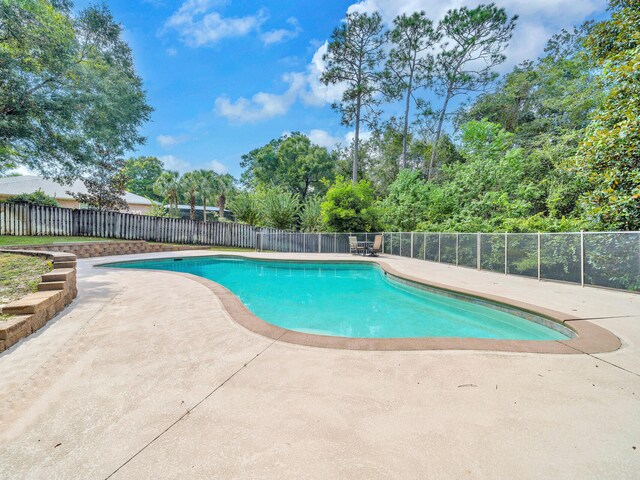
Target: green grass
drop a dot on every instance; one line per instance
(20, 275)
(12, 240)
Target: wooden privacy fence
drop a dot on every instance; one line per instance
(24, 219)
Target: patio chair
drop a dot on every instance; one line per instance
(376, 248)
(354, 248)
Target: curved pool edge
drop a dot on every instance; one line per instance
(590, 338)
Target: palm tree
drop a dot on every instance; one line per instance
(224, 185)
(168, 186)
(189, 185)
(207, 184)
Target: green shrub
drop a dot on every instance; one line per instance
(349, 208)
(36, 198)
(311, 216)
(279, 208)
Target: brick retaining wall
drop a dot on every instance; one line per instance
(103, 249)
(55, 291)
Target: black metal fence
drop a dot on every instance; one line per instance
(605, 259)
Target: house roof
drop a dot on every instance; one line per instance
(32, 183)
(198, 207)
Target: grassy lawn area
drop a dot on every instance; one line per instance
(41, 240)
(20, 275)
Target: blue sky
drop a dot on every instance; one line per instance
(226, 77)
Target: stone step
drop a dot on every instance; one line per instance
(28, 304)
(45, 286)
(58, 275)
(69, 264)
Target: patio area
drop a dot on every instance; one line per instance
(146, 375)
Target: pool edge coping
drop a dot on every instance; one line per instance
(590, 338)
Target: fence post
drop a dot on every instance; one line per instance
(479, 250)
(319, 243)
(439, 242)
(539, 263)
(411, 244)
(424, 246)
(335, 242)
(506, 242)
(582, 257)
(457, 239)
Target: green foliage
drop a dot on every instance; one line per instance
(311, 215)
(189, 186)
(279, 209)
(36, 198)
(407, 202)
(69, 91)
(142, 173)
(291, 162)
(610, 152)
(167, 186)
(246, 208)
(158, 210)
(350, 208)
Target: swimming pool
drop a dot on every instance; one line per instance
(355, 300)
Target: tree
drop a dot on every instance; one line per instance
(224, 185)
(68, 88)
(105, 184)
(473, 46)
(205, 187)
(291, 162)
(279, 208)
(609, 156)
(189, 184)
(349, 208)
(409, 65)
(167, 185)
(142, 173)
(353, 56)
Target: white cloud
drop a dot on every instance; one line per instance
(218, 167)
(262, 105)
(282, 34)
(173, 163)
(172, 52)
(324, 138)
(166, 141)
(198, 25)
(301, 85)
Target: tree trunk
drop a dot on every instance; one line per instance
(355, 143)
(222, 201)
(192, 203)
(406, 127)
(204, 208)
(435, 143)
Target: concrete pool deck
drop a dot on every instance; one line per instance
(145, 375)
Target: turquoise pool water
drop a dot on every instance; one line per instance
(350, 300)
